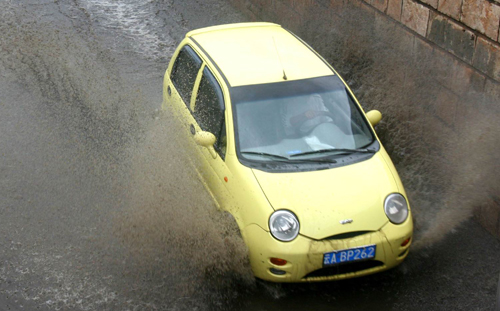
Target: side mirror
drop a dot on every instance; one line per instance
(207, 140)
(374, 116)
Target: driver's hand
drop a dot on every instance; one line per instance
(310, 114)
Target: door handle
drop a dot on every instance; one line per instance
(169, 90)
(192, 129)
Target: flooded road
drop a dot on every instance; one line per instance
(99, 209)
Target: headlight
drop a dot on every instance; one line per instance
(284, 225)
(396, 208)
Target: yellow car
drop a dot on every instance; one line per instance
(282, 144)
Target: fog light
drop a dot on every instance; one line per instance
(277, 271)
(278, 261)
(405, 242)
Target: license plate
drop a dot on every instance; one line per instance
(348, 255)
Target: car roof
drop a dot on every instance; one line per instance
(256, 53)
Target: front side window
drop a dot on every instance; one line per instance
(184, 72)
(298, 121)
(209, 109)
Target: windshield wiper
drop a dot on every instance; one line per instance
(285, 159)
(272, 155)
(334, 150)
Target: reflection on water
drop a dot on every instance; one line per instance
(135, 23)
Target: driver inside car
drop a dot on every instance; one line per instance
(301, 118)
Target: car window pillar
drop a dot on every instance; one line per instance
(196, 88)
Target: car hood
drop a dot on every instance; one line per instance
(323, 199)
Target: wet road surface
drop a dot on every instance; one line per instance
(98, 208)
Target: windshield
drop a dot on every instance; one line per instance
(297, 119)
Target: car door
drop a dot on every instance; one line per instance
(187, 83)
(180, 83)
(209, 115)
(179, 88)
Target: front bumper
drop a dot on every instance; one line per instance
(304, 256)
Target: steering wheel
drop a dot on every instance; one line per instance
(297, 121)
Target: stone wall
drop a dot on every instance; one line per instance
(439, 64)
(468, 29)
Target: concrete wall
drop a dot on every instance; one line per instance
(468, 29)
(439, 61)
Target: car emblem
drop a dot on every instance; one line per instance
(346, 221)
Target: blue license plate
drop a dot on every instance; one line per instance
(348, 255)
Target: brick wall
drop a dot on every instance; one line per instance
(468, 29)
(437, 58)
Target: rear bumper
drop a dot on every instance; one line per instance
(304, 256)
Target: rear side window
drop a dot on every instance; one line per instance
(209, 109)
(184, 72)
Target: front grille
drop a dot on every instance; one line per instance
(347, 235)
(345, 268)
